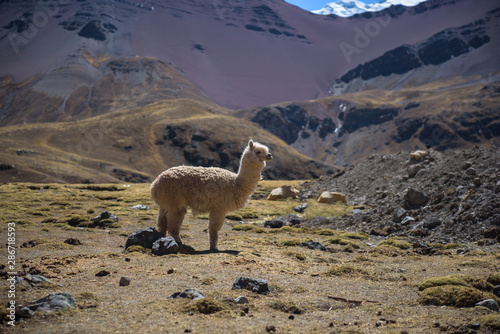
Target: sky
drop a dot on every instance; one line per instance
(316, 4)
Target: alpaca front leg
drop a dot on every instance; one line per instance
(175, 218)
(216, 220)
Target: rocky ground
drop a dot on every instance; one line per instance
(451, 196)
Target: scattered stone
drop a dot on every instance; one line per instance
(285, 191)
(431, 223)
(29, 244)
(140, 207)
(489, 303)
(407, 220)
(286, 220)
(415, 199)
(164, 246)
(332, 197)
(72, 241)
(171, 271)
(398, 214)
(383, 232)
(54, 302)
(300, 208)
(255, 285)
(291, 317)
(104, 215)
(144, 237)
(193, 294)
(241, 300)
(271, 329)
(37, 279)
(492, 233)
(314, 245)
(124, 281)
(103, 273)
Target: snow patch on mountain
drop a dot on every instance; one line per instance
(346, 8)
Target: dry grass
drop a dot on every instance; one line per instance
(344, 289)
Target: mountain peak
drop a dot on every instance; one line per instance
(346, 8)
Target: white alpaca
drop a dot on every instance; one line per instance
(207, 190)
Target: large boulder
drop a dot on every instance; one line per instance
(164, 246)
(285, 191)
(332, 197)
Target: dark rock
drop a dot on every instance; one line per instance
(144, 237)
(286, 220)
(398, 214)
(431, 223)
(72, 241)
(104, 215)
(124, 281)
(103, 273)
(164, 246)
(496, 290)
(193, 294)
(29, 244)
(489, 303)
(300, 208)
(415, 199)
(255, 285)
(54, 302)
(470, 171)
(5, 167)
(314, 245)
(492, 233)
(360, 117)
(93, 30)
(383, 232)
(271, 329)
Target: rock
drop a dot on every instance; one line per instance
(193, 294)
(431, 223)
(54, 302)
(37, 279)
(102, 273)
(313, 245)
(164, 246)
(398, 214)
(255, 285)
(492, 233)
(72, 241)
(143, 237)
(414, 169)
(300, 208)
(332, 197)
(415, 199)
(286, 220)
(104, 215)
(489, 303)
(241, 300)
(383, 232)
(418, 156)
(140, 207)
(124, 281)
(496, 290)
(285, 191)
(407, 220)
(470, 171)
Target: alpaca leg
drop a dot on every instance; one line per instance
(175, 218)
(162, 221)
(216, 220)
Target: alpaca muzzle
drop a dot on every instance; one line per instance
(269, 157)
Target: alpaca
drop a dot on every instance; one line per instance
(207, 190)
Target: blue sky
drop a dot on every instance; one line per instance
(316, 4)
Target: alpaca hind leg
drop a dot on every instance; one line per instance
(216, 220)
(175, 219)
(162, 221)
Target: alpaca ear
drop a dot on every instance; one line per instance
(250, 144)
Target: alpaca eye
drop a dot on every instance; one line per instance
(258, 152)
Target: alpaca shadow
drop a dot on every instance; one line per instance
(209, 251)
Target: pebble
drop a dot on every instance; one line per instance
(193, 294)
(102, 273)
(489, 303)
(241, 300)
(144, 237)
(124, 281)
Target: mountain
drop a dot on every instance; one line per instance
(346, 8)
(118, 91)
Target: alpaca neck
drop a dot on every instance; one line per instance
(249, 176)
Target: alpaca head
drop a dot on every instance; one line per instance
(256, 153)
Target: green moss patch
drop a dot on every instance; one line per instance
(343, 241)
(451, 295)
(396, 242)
(494, 279)
(490, 321)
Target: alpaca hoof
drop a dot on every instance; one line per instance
(214, 249)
